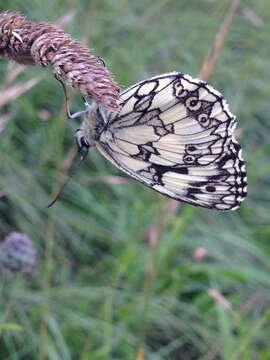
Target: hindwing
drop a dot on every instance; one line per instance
(175, 134)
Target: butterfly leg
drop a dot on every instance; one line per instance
(88, 107)
(103, 114)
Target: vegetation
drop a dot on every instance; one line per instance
(121, 273)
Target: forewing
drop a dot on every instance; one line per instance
(175, 135)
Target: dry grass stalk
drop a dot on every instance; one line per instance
(210, 61)
(31, 43)
(66, 19)
(251, 16)
(12, 72)
(13, 92)
(115, 180)
(140, 355)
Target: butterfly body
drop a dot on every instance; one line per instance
(174, 134)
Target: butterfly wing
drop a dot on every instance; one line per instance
(175, 135)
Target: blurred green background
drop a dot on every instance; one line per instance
(118, 274)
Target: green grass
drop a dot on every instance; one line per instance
(101, 290)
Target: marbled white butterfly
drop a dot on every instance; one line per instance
(174, 134)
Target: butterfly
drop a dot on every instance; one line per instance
(174, 134)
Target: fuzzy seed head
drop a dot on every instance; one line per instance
(44, 44)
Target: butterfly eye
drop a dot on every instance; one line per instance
(204, 120)
(192, 103)
(189, 159)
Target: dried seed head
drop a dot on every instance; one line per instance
(17, 253)
(45, 44)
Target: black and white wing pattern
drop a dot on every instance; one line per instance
(175, 135)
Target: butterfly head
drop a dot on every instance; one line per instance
(91, 126)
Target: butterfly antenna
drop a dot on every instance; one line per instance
(73, 172)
